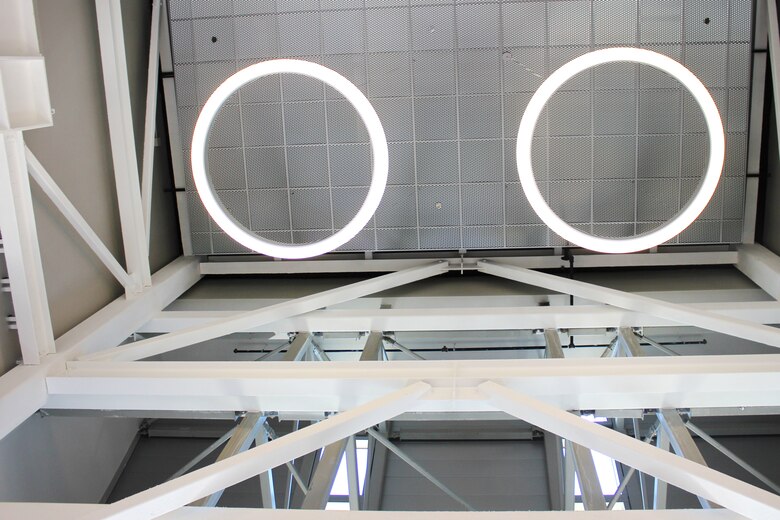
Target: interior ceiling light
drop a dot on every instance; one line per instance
(691, 210)
(206, 189)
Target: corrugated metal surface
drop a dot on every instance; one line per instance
(491, 476)
(618, 150)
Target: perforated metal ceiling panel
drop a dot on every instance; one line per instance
(618, 150)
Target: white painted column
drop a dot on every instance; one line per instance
(22, 253)
(120, 125)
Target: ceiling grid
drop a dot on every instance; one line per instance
(618, 151)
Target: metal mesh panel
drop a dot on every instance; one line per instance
(213, 39)
(437, 162)
(439, 205)
(344, 200)
(482, 203)
(617, 151)
(307, 166)
(480, 161)
(311, 208)
(398, 208)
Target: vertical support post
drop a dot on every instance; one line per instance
(660, 487)
(120, 126)
(568, 477)
(641, 476)
(774, 50)
(373, 485)
(288, 485)
(352, 474)
(592, 495)
(629, 342)
(298, 348)
(174, 137)
(553, 348)
(373, 350)
(147, 162)
(554, 455)
(292, 472)
(22, 252)
(267, 478)
(682, 442)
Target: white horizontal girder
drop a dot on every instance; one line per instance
(571, 384)
(691, 476)
(62, 511)
(683, 314)
(246, 320)
(530, 262)
(464, 318)
(181, 491)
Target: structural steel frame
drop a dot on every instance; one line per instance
(87, 369)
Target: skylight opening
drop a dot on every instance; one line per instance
(339, 493)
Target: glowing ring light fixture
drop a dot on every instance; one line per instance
(206, 190)
(691, 210)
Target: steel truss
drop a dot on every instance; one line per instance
(90, 368)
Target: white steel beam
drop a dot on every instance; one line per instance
(247, 320)
(150, 118)
(675, 312)
(239, 442)
(120, 126)
(174, 494)
(530, 262)
(23, 389)
(65, 511)
(72, 215)
(322, 481)
(762, 266)
(465, 318)
(22, 254)
(729, 492)
(571, 384)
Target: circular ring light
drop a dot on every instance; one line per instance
(206, 190)
(691, 210)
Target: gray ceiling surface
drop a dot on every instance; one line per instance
(618, 150)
